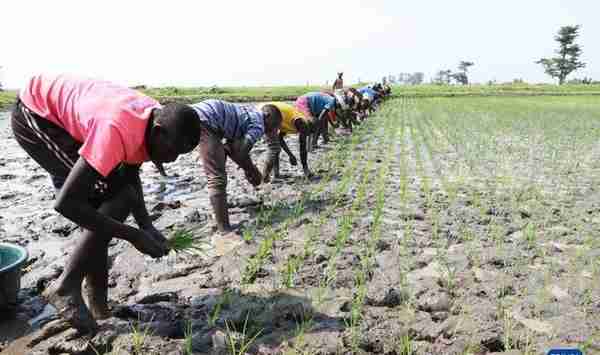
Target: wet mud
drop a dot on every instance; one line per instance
(376, 255)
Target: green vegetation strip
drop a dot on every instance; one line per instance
(290, 93)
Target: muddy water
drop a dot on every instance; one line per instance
(27, 217)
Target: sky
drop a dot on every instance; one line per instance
(282, 42)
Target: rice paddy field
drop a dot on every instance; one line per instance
(442, 225)
(448, 226)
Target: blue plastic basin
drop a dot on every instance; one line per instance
(12, 258)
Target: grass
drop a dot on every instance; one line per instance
(500, 178)
(289, 93)
(139, 337)
(405, 346)
(238, 343)
(7, 98)
(188, 340)
(183, 241)
(428, 90)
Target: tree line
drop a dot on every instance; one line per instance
(566, 61)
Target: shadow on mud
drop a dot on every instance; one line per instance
(208, 323)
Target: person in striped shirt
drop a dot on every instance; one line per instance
(241, 126)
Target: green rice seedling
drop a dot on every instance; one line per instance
(183, 241)
(405, 345)
(240, 346)
(300, 344)
(188, 340)
(214, 314)
(290, 269)
(255, 263)
(247, 235)
(508, 327)
(139, 337)
(353, 323)
(530, 236)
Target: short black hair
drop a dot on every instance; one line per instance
(184, 121)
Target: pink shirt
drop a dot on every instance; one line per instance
(109, 120)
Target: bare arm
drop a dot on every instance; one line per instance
(287, 149)
(72, 202)
(239, 153)
(139, 211)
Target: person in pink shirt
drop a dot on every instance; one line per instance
(92, 136)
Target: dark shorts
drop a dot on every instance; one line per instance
(56, 151)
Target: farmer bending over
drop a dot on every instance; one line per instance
(343, 112)
(370, 98)
(319, 108)
(241, 126)
(94, 135)
(293, 122)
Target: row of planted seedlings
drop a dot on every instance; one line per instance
(497, 202)
(514, 278)
(433, 178)
(531, 245)
(334, 161)
(486, 209)
(344, 221)
(436, 151)
(269, 234)
(338, 194)
(352, 176)
(406, 241)
(495, 231)
(366, 249)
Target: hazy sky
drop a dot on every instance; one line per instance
(262, 42)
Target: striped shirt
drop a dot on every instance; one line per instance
(231, 121)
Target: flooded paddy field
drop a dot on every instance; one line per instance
(440, 226)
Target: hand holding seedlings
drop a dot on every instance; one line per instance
(183, 241)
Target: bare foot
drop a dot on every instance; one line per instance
(226, 242)
(71, 308)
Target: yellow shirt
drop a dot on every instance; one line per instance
(289, 114)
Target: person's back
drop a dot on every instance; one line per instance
(319, 101)
(109, 120)
(232, 121)
(289, 114)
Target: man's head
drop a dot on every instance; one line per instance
(272, 118)
(340, 75)
(175, 130)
